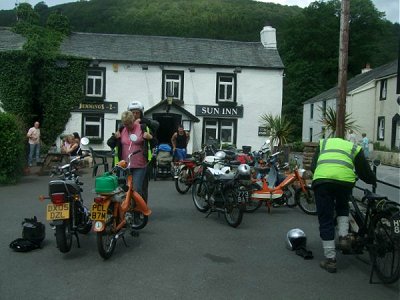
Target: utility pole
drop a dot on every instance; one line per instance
(343, 61)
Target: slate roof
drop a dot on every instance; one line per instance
(10, 40)
(358, 81)
(170, 50)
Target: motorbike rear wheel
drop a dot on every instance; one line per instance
(200, 195)
(182, 183)
(233, 210)
(385, 248)
(306, 201)
(64, 236)
(106, 240)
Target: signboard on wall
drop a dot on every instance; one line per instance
(263, 131)
(98, 107)
(219, 111)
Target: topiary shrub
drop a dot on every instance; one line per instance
(12, 148)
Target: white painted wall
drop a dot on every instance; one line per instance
(258, 90)
(365, 107)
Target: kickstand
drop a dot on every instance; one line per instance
(77, 239)
(123, 239)
(209, 213)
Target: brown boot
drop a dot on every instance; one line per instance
(345, 242)
(329, 264)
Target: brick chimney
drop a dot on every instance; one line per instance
(268, 37)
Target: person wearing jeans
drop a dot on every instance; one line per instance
(34, 143)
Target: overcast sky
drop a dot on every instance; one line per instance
(390, 7)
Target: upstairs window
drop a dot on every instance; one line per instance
(226, 87)
(383, 90)
(95, 83)
(311, 111)
(173, 84)
(381, 128)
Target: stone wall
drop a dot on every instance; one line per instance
(308, 153)
(387, 158)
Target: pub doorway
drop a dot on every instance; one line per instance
(169, 123)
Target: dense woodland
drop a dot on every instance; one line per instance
(308, 39)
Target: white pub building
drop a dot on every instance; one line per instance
(216, 89)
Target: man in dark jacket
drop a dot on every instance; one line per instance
(334, 177)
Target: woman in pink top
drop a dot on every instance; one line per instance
(138, 162)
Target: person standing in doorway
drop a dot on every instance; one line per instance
(34, 143)
(180, 140)
(352, 137)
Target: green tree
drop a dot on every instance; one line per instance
(12, 148)
(280, 128)
(328, 120)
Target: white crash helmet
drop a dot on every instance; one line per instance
(244, 170)
(136, 105)
(296, 239)
(220, 155)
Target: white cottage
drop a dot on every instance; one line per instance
(217, 89)
(372, 101)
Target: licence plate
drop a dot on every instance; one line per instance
(99, 211)
(57, 212)
(243, 196)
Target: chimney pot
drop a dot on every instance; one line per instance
(268, 37)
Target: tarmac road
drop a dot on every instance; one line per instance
(180, 254)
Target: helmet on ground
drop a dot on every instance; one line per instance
(220, 155)
(136, 105)
(244, 170)
(296, 239)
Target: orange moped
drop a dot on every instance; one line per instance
(277, 190)
(117, 209)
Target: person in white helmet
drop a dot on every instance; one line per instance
(134, 123)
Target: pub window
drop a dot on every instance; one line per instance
(95, 83)
(172, 84)
(311, 111)
(323, 132)
(219, 131)
(93, 126)
(323, 108)
(226, 87)
(381, 128)
(383, 91)
(311, 134)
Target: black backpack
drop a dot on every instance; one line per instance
(33, 233)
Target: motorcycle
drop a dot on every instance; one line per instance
(213, 191)
(117, 207)
(66, 212)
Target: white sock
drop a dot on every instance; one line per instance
(343, 225)
(329, 249)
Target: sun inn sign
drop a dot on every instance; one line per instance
(219, 111)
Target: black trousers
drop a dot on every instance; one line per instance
(330, 197)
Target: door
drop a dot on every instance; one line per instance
(168, 125)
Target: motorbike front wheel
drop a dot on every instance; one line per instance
(182, 183)
(199, 195)
(306, 201)
(64, 236)
(233, 210)
(139, 220)
(106, 240)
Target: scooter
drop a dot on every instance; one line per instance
(118, 207)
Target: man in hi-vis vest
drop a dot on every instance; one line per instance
(336, 164)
